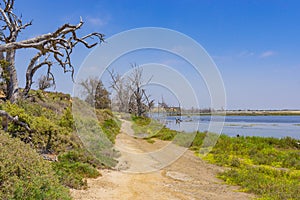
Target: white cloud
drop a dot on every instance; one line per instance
(267, 54)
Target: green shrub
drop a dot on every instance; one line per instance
(79, 155)
(15, 110)
(67, 120)
(50, 131)
(71, 174)
(24, 175)
(74, 166)
(235, 162)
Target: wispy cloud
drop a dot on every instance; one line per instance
(231, 57)
(246, 53)
(267, 54)
(98, 21)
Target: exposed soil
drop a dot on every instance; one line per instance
(187, 178)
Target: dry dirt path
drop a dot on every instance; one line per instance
(187, 178)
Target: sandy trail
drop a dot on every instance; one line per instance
(187, 178)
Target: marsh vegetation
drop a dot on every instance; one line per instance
(268, 167)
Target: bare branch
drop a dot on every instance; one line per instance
(140, 101)
(5, 18)
(32, 68)
(42, 41)
(15, 120)
(54, 48)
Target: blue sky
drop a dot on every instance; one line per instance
(255, 44)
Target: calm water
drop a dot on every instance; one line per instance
(265, 126)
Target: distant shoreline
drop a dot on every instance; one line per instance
(250, 113)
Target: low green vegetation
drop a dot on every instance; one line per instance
(24, 174)
(74, 166)
(97, 130)
(151, 128)
(265, 181)
(267, 167)
(109, 123)
(279, 153)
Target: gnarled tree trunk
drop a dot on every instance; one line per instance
(52, 48)
(12, 84)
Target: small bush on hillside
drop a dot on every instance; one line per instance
(67, 120)
(24, 175)
(79, 155)
(72, 174)
(51, 132)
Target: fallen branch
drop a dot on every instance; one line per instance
(15, 120)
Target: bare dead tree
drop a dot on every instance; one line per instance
(45, 82)
(53, 49)
(121, 86)
(89, 87)
(130, 94)
(140, 101)
(149, 102)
